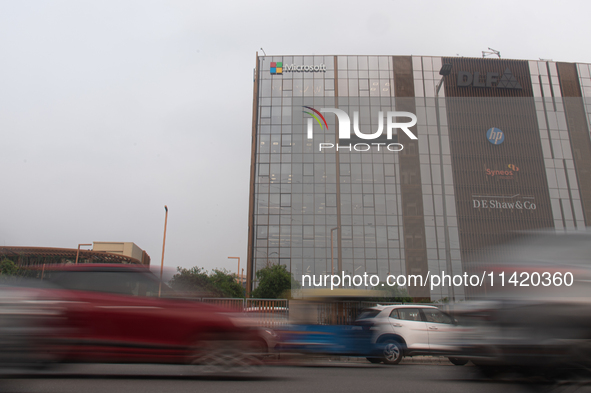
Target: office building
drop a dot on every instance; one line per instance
(502, 146)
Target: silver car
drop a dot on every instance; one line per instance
(410, 330)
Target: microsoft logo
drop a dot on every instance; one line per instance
(276, 68)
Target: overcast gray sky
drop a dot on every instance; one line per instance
(111, 109)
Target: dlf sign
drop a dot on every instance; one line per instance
(466, 78)
(492, 79)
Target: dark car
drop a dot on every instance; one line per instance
(29, 322)
(537, 312)
(113, 313)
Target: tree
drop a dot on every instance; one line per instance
(197, 281)
(8, 268)
(274, 281)
(226, 282)
(9, 271)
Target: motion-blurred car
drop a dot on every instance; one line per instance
(267, 321)
(113, 313)
(410, 330)
(319, 325)
(29, 322)
(542, 317)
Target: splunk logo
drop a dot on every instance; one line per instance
(376, 138)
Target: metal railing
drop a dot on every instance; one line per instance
(268, 312)
(275, 312)
(234, 304)
(263, 312)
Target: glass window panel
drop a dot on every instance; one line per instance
(273, 235)
(353, 87)
(285, 200)
(308, 232)
(264, 144)
(392, 233)
(331, 200)
(368, 200)
(373, 63)
(286, 140)
(263, 169)
(274, 204)
(262, 232)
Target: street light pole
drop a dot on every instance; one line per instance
(237, 271)
(445, 70)
(78, 252)
(163, 244)
(332, 251)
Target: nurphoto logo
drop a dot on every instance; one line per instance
(344, 122)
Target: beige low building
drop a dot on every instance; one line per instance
(103, 252)
(127, 249)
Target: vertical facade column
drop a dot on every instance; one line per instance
(556, 142)
(410, 184)
(251, 196)
(573, 85)
(438, 217)
(338, 172)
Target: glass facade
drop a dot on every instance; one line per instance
(363, 208)
(301, 193)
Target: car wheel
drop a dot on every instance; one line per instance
(226, 356)
(458, 361)
(374, 360)
(493, 371)
(258, 348)
(392, 352)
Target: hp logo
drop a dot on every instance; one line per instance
(495, 136)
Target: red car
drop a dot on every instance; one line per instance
(112, 313)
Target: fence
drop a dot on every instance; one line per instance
(275, 312)
(268, 312)
(344, 312)
(264, 312)
(229, 303)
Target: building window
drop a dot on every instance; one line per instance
(262, 232)
(285, 200)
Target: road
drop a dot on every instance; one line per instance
(341, 377)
